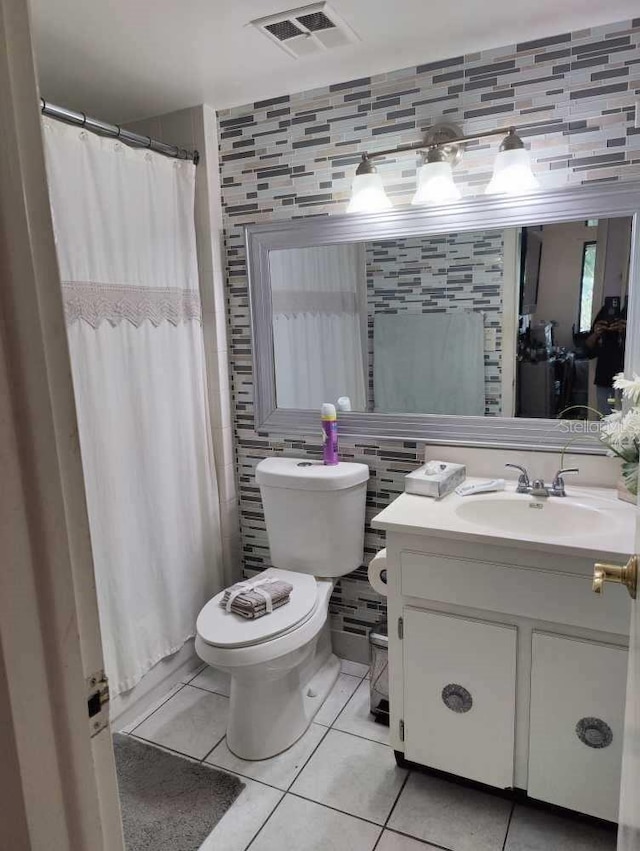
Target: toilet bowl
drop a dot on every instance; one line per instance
(278, 681)
(281, 665)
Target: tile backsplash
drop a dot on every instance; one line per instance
(574, 96)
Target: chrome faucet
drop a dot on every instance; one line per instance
(538, 487)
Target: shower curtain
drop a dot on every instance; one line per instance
(125, 235)
(319, 313)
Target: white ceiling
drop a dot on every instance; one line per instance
(125, 59)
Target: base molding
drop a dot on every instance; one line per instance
(126, 707)
(346, 645)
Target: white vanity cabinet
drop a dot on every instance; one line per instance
(505, 668)
(576, 722)
(460, 695)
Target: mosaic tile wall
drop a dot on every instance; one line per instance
(574, 97)
(456, 271)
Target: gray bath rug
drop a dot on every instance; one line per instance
(169, 803)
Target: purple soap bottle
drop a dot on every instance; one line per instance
(329, 434)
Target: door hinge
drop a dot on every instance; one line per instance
(98, 702)
(401, 729)
(400, 628)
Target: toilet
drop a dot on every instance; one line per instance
(281, 665)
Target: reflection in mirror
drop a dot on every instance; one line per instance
(319, 299)
(573, 309)
(436, 323)
(523, 322)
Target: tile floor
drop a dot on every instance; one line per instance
(339, 789)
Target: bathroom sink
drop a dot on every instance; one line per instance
(588, 520)
(525, 515)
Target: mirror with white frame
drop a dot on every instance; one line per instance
(424, 331)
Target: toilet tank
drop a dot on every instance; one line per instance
(314, 514)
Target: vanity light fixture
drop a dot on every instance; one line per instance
(367, 190)
(435, 180)
(442, 149)
(512, 173)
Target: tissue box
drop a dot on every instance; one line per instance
(435, 479)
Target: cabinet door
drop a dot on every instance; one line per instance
(577, 710)
(459, 695)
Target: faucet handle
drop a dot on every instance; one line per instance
(558, 476)
(558, 481)
(523, 478)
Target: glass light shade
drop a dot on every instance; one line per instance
(512, 173)
(368, 195)
(435, 184)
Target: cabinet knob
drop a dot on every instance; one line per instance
(456, 698)
(594, 732)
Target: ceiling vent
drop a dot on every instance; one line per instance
(307, 30)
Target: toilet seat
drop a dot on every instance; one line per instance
(223, 629)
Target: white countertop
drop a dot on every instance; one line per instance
(606, 525)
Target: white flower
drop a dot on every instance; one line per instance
(609, 426)
(611, 419)
(631, 425)
(621, 433)
(630, 387)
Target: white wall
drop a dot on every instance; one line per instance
(561, 268)
(560, 271)
(616, 268)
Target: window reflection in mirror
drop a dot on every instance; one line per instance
(526, 322)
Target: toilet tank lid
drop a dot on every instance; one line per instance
(300, 474)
